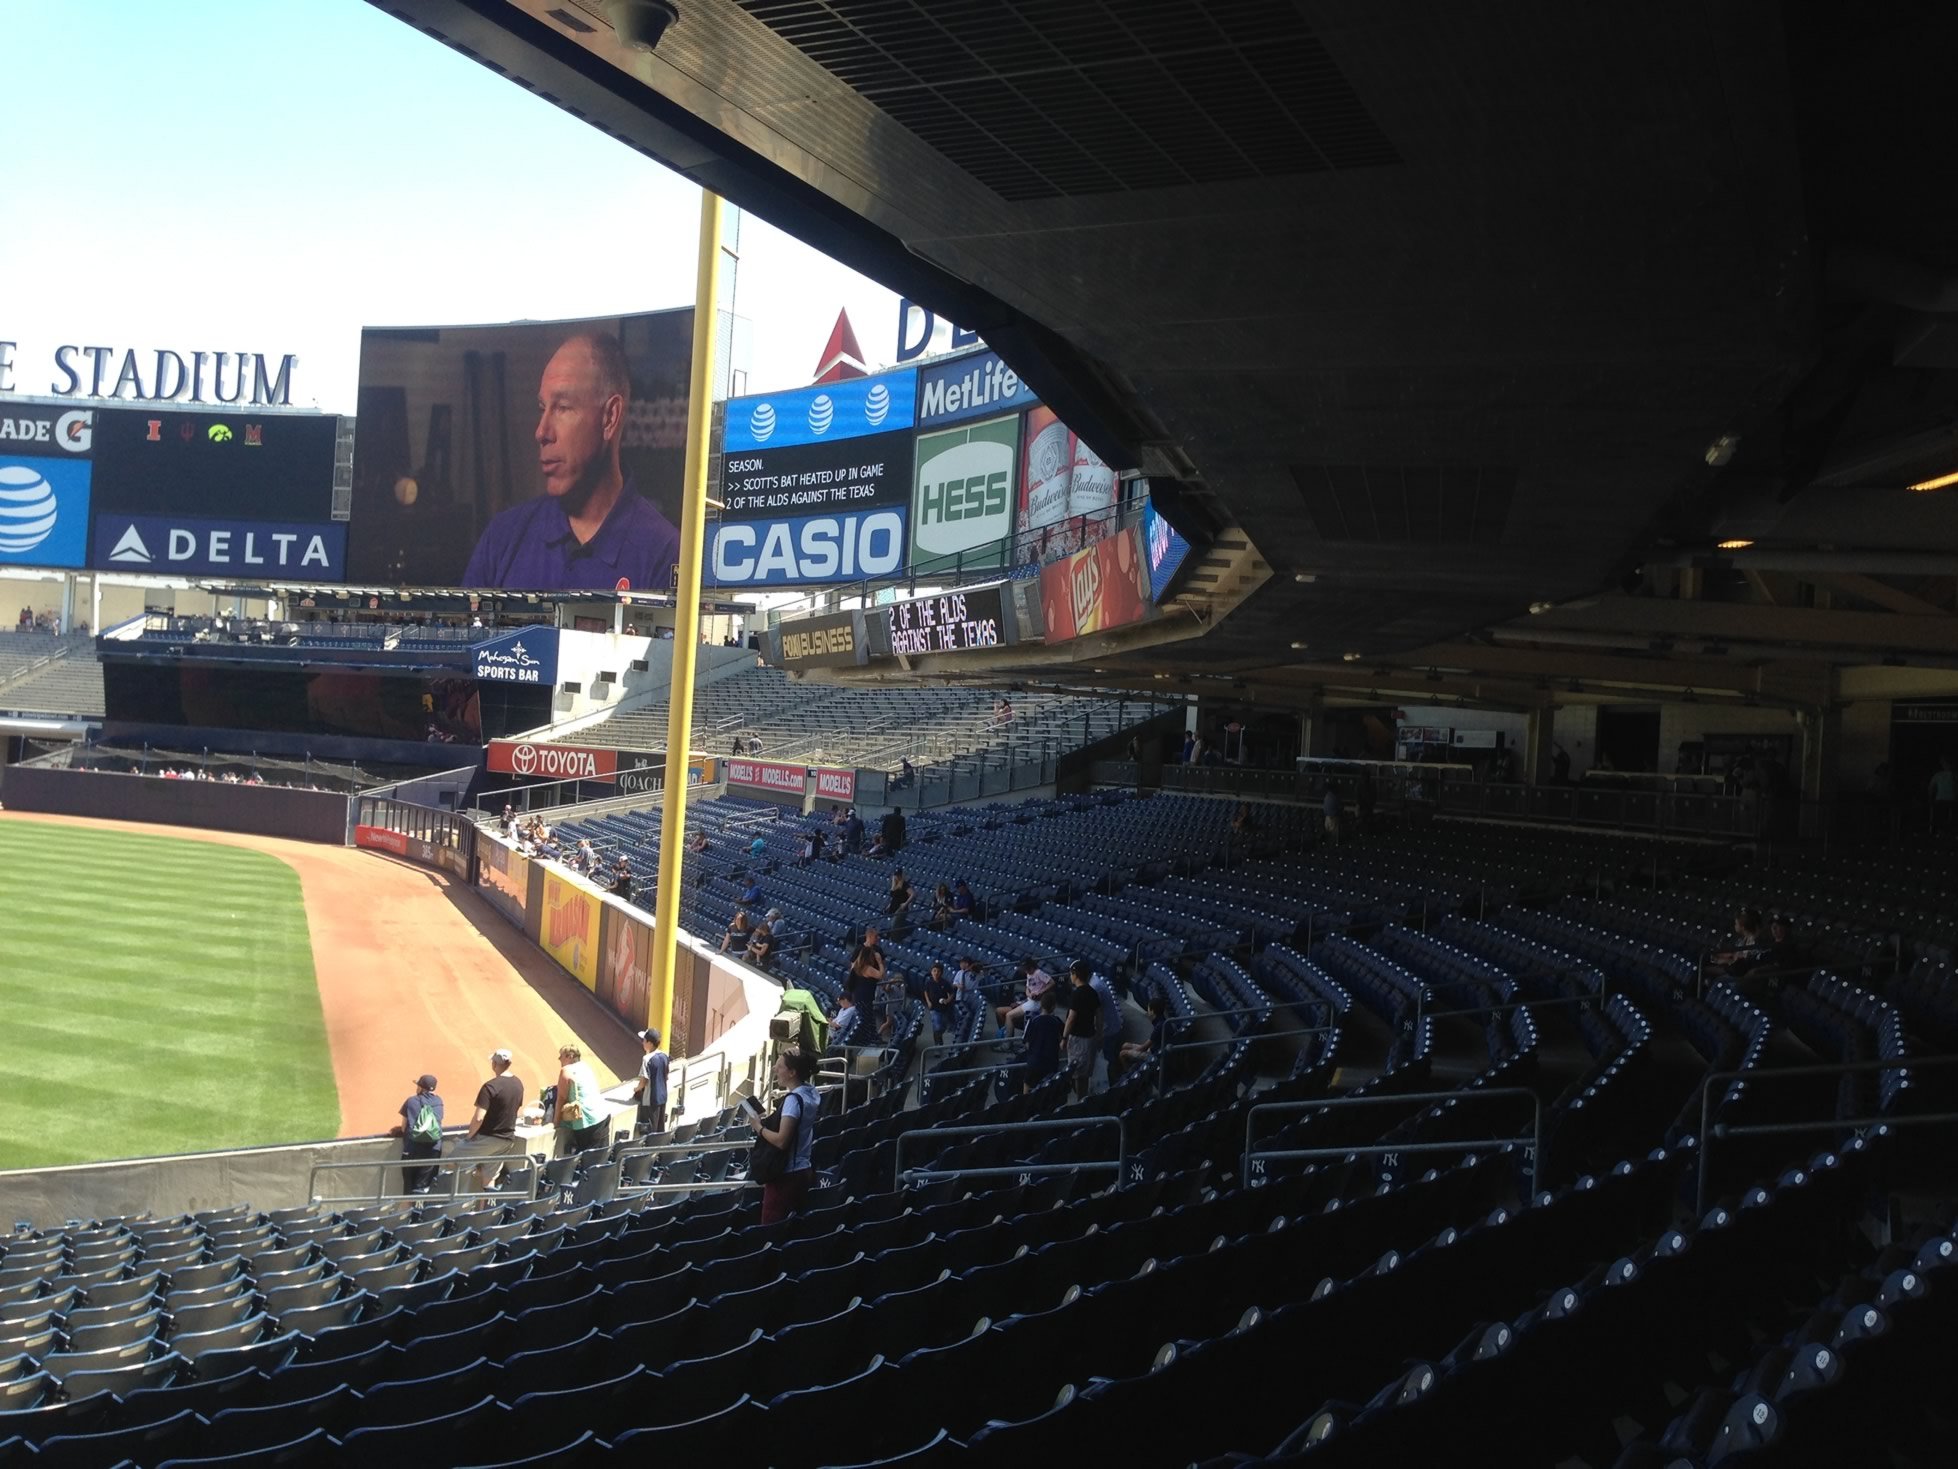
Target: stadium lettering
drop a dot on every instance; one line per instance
(164, 376)
(819, 643)
(823, 548)
(562, 763)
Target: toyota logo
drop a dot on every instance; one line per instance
(524, 759)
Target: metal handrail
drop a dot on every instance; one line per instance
(1598, 998)
(1372, 1149)
(1001, 1129)
(451, 1166)
(1709, 1130)
(925, 1079)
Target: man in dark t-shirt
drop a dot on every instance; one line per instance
(493, 1129)
(1081, 1029)
(1043, 1042)
(866, 973)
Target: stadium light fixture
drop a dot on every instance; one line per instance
(1942, 482)
(1298, 646)
(1734, 545)
(1350, 657)
(1536, 607)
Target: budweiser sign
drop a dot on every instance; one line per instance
(551, 762)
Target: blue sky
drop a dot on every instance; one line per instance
(270, 175)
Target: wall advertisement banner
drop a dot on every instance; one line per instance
(823, 414)
(811, 513)
(965, 493)
(625, 966)
(568, 929)
(769, 775)
(1096, 590)
(528, 655)
(1062, 480)
(974, 386)
(637, 779)
(504, 878)
(380, 839)
(834, 641)
(1166, 551)
(551, 761)
(836, 785)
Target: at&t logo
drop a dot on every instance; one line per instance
(877, 404)
(822, 413)
(761, 423)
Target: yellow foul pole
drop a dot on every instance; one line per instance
(686, 614)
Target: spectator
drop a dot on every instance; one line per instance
(866, 973)
(622, 878)
(698, 842)
(493, 1129)
(907, 775)
(751, 893)
(1560, 765)
(964, 905)
(1944, 797)
(794, 1133)
(1243, 823)
(1330, 806)
(1044, 1032)
(739, 927)
(1747, 949)
(811, 845)
(853, 833)
(420, 1131)
(891, 995)
(581, 1110)
(941, 906)
(1036, 982)
(1081, 1028)
(764, 941)
(878, 846)
(1111, 1019)
(941, 1000)
(650, 1088)
(1134, 1051)
(755, 849)
(897, 903)
(892, 831)
(971, 979)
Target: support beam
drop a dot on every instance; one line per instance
(1869, 589)
(1539, 746)
(1637, 619)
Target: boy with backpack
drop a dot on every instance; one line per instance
(420, 1131)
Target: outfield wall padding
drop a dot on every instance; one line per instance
(214, 805)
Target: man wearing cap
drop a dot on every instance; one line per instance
(493, 1130)
(420, 1131)
(761, 944)
(650, 1088)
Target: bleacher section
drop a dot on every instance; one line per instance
(70, 685)
(877, 728)
(1323, 1232)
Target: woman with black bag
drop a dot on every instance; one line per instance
(782, 1161)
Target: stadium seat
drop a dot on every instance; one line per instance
(741, 1422)
(144, 1443)
(240, 1430)
(454, 1437)
(316, 1447)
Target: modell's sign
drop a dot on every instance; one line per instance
(836, 785)
(769, 775)
(551, 762)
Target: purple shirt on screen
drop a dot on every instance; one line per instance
(531, 548)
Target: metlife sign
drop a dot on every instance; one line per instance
(978, 386)
(527, 656)
(166, 545)
(823, 414)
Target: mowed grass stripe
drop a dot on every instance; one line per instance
(156, 995)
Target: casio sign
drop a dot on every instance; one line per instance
(963, 496)
(812, 548)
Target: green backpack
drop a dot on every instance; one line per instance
(427, 1127)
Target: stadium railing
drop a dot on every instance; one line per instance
(1254, 1155)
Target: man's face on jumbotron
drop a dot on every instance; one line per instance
(576, 422)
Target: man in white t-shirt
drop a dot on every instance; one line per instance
(650, 1088)
(1037, 982)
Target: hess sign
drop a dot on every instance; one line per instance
(952, 623)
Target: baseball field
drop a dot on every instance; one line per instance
(164, 991)
(157, 996)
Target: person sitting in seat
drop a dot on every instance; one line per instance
(698, 842)
(897, 903)
(750, 890)
(941, 906)
(1134, 1051)
(964, 905)
(1747, 948)
(763, 943)
(1035, 982)
(738, 929)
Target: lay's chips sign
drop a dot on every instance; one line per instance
(1096, 590)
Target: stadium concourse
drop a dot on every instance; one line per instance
(409, 981)
(1443, 1124)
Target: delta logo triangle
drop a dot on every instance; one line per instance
(131, 548)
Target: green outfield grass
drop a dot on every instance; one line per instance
(156, 996)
